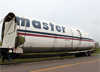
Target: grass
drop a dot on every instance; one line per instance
(0, 44)
(97, 51)
(33, 60)
(43, 59)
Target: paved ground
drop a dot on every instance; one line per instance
(81, 64)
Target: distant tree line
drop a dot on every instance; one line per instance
(97, 44)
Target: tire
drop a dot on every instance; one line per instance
(85, 53)
(89, 53)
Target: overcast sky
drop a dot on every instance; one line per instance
(82, 14)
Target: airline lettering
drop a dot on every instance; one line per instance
(37, 24)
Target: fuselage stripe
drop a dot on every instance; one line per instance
(51, 35)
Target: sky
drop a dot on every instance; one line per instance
(82, 14)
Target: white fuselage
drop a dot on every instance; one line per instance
(48, 36)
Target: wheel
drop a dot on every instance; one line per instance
(89, 53)
(85, 53)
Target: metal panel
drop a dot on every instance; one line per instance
(9, 34)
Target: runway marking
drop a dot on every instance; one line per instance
(90, 61)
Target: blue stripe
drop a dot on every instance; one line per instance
(53, 34)
(44, 33)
